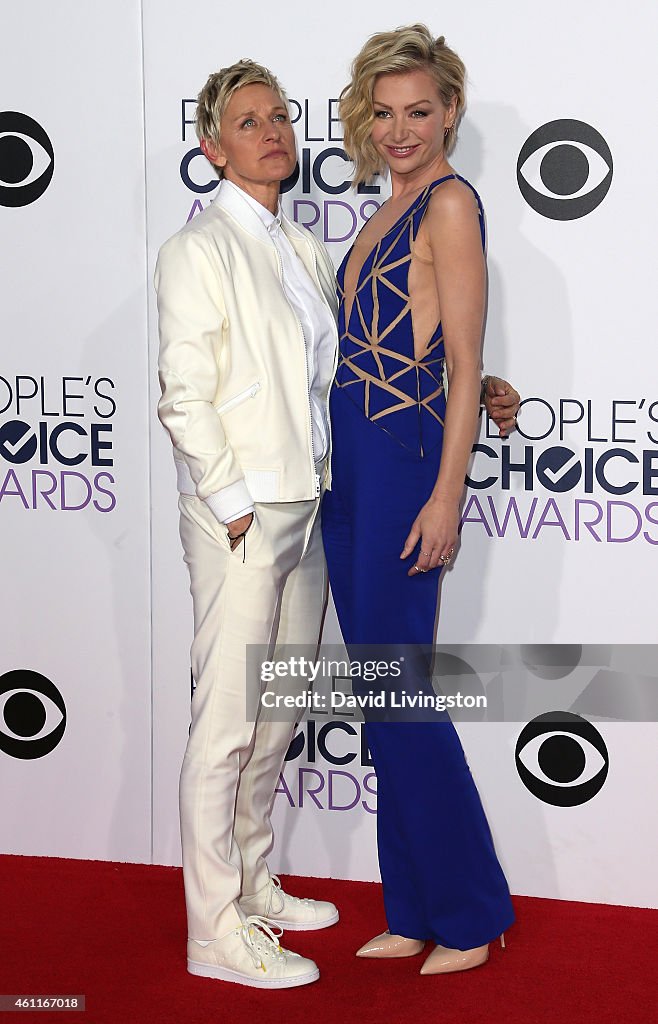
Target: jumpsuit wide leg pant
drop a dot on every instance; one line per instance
(441, 877)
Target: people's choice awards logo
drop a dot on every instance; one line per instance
(56, 444)
(32, 714)
(564, 169)
(27, 159)
(562, 759)
(586, 467)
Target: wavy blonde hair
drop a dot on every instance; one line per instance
(410, 48)
(218, 90)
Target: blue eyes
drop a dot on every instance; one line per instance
(249, 122)
(381, 114)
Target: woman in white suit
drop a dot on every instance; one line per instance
(247, 316)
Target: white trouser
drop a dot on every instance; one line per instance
(275, 596)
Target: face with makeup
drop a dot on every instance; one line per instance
(256, 148)
(410, 122)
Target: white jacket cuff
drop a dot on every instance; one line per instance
(229, 502)
(239, 515)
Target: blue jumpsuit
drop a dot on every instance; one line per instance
(440, 874)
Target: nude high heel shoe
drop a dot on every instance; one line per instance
(447, 961)
(387, 945)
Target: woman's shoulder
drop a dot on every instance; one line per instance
(454, 210)
(454, 195)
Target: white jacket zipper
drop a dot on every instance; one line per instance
(249, 392)
(335, 363)
(308, 384)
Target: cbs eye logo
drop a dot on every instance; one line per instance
(32, 714)
(562, 759)
(27, 159)
(564, 169)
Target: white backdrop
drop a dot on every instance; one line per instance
(560, 525)
(75, 548)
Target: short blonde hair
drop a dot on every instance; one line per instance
(218, 90)
(410, 48)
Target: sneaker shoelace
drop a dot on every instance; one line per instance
(277, 890)
(262, 942)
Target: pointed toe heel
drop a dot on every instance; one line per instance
(447, 961)
(389, 946)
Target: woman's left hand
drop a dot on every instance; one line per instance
(436, 527)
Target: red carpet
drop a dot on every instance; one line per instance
(115, 932)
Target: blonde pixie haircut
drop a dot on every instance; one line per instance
(218, 90)
(411, 48)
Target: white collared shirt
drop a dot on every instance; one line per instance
(315, 318)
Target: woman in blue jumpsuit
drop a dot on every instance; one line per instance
(440, 874)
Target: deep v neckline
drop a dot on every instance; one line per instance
(371, 255)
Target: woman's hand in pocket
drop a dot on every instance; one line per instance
(238, 528)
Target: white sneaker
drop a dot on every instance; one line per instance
(250, 955)
(289, 912)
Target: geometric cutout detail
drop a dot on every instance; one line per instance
(377, 363)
